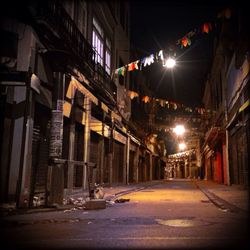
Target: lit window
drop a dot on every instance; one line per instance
(97, 42)
(102, 46)
(108, 56)
(107, 62)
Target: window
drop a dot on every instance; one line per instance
(102, 46)
(108, 56)
(107, 62)
(97, 42)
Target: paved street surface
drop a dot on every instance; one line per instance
(173, 214)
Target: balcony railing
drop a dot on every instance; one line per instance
(65, 32)
(103, 79)
(59, 31)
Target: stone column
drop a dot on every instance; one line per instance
(56, 168)
(100, 159)
(26, 157)
(150, 167)
(127, 149)
(70, 175)
(136, 165)
(111, 153)
(87, 105)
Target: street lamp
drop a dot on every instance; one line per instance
(169, 63)
(179, 130)
(182, 146)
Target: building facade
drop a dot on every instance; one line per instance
(65, 116)
(226, 96)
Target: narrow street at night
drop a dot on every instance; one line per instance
(124, 124)
(174, 214)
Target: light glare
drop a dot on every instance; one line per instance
(170, 63)
(182, 146)
(179, 130)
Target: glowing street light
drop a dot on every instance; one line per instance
(179, 130)
(169, 63)
(182, 146)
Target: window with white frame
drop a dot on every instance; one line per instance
(97, 43)
(102, 46)
(108, 56)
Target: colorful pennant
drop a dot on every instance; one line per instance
(184, 42)
(206, 27)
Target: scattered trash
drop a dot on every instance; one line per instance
(121, 200)
(90, 222)
(223, 209)
(39, 200)
(74, 220)
(110, 202)
(67, 210)
(85, 212)
(80, 199)
(74, 201)
(99, 192)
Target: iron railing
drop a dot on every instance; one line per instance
(64, 29)
(65, 33)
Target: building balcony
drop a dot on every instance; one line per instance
(59, 32)
(67, 47)
(103, 79)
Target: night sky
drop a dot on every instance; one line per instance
(158, 25)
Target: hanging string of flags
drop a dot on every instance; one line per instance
(169, 104)
(159, 56)
(140, 64)
(183, 42)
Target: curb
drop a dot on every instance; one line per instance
(121, 193)
(114, 196)
(35, 210)
(219, 202)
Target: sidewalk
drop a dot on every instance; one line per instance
(230, 197)
(78, 198)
